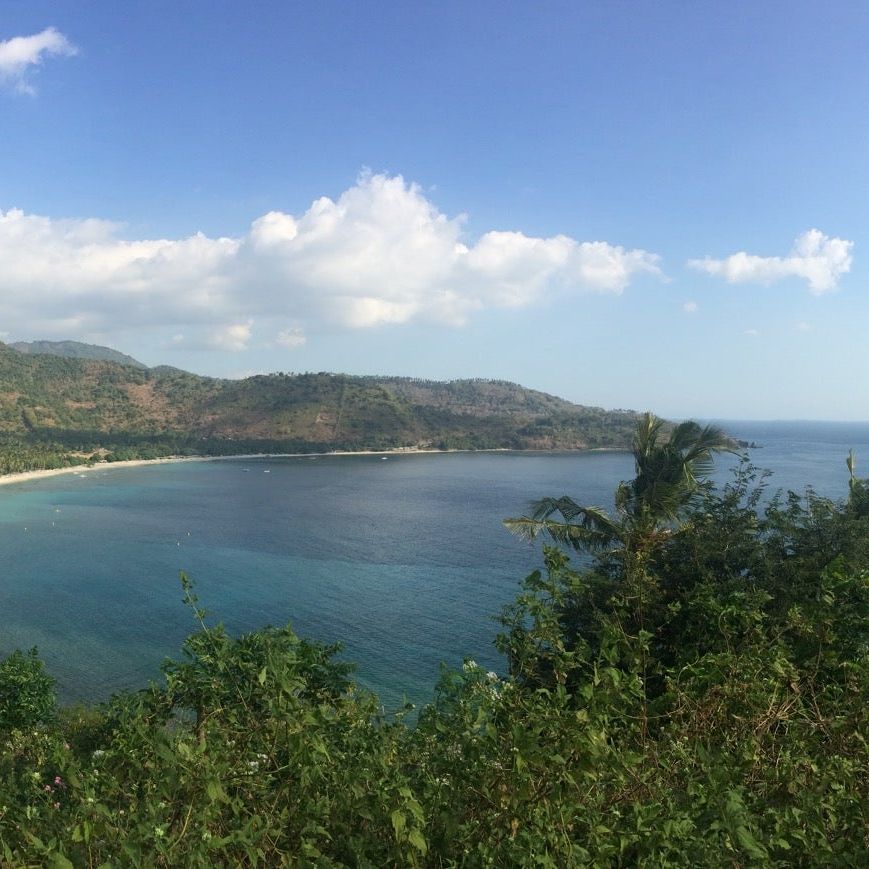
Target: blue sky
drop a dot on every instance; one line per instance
(644, 205)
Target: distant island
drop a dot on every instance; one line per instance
(64, 403)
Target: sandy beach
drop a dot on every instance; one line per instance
(27, 476)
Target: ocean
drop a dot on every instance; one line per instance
(404, 560)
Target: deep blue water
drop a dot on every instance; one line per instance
(404, 560)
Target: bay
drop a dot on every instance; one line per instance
(404, 560)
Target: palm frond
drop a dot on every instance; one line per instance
(684, 436)
(669, 476)
(646, 437)
(582, 528)
(708, 440)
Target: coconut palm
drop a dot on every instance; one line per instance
(669, 475)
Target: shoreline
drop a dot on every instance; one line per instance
(82, 470)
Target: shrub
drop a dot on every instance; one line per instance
(26, 691)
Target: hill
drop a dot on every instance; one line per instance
(100, 406)
(75, 350)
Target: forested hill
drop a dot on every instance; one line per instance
(76, 350)
(98, 405)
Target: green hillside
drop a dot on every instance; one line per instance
(59, 405)
(75, 350)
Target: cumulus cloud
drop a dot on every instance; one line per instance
(19, 55)
(690, 307)
(815, 257)
(381, 253)
(232, 337)
(78, 274)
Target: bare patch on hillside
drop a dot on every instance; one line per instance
(152, 404)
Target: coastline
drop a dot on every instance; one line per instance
(29, 476)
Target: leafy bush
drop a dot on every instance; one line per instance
(26, 691)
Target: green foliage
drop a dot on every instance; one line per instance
(703, 705)
(26, 691)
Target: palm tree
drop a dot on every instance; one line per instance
(669, 475)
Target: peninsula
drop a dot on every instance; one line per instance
(65, 404)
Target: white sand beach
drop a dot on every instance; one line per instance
(27, 476)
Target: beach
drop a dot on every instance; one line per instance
(28, 476)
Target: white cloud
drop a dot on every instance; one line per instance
(690, 307)
(815, 257)
(752, 333)
(291, 338)
(21, 53)
(81, 272)
(380, 254)
(512, 270)
(803, 326)
(233, 338)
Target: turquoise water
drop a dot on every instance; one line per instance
(404, 560)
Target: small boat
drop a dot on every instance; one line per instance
(266, 471)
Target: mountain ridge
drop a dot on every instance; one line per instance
(99, 405)
(75, 350)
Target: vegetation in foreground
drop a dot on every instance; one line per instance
(693, 695)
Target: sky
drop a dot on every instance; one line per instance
(631, 205)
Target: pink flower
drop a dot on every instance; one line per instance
(48, 789)
(58, 780)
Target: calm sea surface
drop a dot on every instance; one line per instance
(403, 560)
